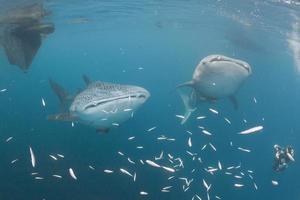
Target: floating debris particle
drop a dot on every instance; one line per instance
(201, 117)
(3, 90)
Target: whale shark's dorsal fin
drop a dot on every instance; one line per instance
(59, 91)
(86, 79)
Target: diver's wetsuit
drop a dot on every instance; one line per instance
(282, 159)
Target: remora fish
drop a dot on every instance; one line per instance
(101, 104)
(215, 77)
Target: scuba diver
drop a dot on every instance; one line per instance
(283, 157)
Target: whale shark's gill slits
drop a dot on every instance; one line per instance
(142, 96)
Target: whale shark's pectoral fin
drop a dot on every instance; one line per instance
(61, 117)
(234, 101)
(102, 130)
(186, 84)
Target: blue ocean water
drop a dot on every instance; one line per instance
(154, 44)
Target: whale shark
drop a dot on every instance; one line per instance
(215, 77)
(101, 105)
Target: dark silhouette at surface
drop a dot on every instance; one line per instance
(23, 32)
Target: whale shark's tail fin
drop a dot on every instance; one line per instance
(189, 101)
(61, 93)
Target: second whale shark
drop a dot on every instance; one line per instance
(101, 105)
(215, 77)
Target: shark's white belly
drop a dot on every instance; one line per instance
(219, 82)
(218, 87)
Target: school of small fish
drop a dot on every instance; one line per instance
(181, 168)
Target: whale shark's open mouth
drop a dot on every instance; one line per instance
(102, 102)
(226, 59)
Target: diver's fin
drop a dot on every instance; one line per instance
(61, 117)
(86, 79)
(59, 91)
(234, 101)
(102, 130)
(186, 84)
(187, 105)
